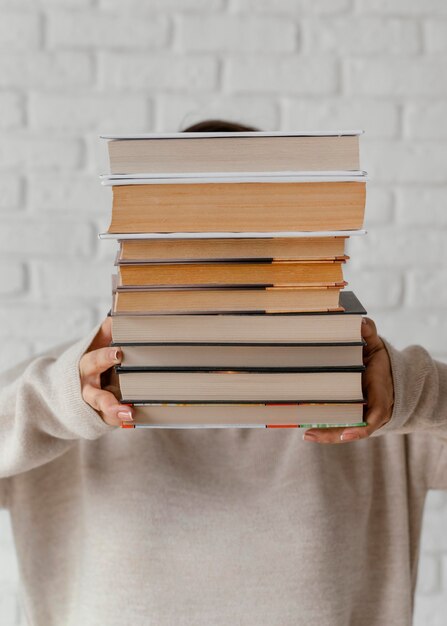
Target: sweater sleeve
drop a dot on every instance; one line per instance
(420, 393)
(42, 411)
(420, 411)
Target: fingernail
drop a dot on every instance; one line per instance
(125, 415)
(115, 355)
(349, 436)
(363, 320)
(309, 437)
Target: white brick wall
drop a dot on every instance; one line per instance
(70, 69)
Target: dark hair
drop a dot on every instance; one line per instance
(218, 126)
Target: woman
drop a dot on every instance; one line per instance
(216, 527)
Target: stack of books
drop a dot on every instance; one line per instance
(228, 301)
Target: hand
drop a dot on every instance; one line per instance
(94, 368)
(377, 387)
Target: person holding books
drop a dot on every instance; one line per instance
(216, 527)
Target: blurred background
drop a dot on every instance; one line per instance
(72, 69)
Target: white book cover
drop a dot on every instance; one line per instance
(237, 235)
(358, 176)
(182, 135)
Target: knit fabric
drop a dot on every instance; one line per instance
(215, 527)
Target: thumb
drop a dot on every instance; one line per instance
(369, 334)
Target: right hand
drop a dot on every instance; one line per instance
(99, 359)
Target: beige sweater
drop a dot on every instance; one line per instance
(215, 527)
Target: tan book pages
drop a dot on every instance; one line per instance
(261, 207)
(210, 356)
(234, 154)
(240, 414)
(241, 386)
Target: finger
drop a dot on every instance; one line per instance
(375, 418)
(336, 435)
(105, 403)
(103, 337)
(369, 334)
(99, 361)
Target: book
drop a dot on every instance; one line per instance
(263, 273)
(216, 236)
(233, 152)
(201, 300)
(237, 206)
(226, 356)
(205, 249)
(309, 328)
(278, 385)
(246, 415)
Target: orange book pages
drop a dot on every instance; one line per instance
(226, 300)
(238, 207)
(234, 154)
(279, 274)
(302, 248)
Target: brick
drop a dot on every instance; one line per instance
(79, 281)
(9, 604)
(425, 288)
(39, 321)
(22, 151)
(45, 70)
(435, 34)
(19, 30)
(402, 7)
(399, 77)
(178, 112)
(9, 571)
(289, 74)
(50, 238)
(300, 7)
(106, 250)
(379, 205)
(11, 110)
(94, 29)
(404, 327)
(430, 610)
(361, 35)
(5, 530)
(164, 5)
(236, 33)
(429, 574)
(384, 288)
(377, 118)
(14, 351)
(405, 161)
(10, 192)
(425, 120)
(32, 4)
(436, 500)
(96, 157)
(421, 206)
(398, 247)
(435, 539)
(12, 278)
(87, 112)
(167, 71)
(67, 194)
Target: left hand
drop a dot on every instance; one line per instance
(377, 387)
